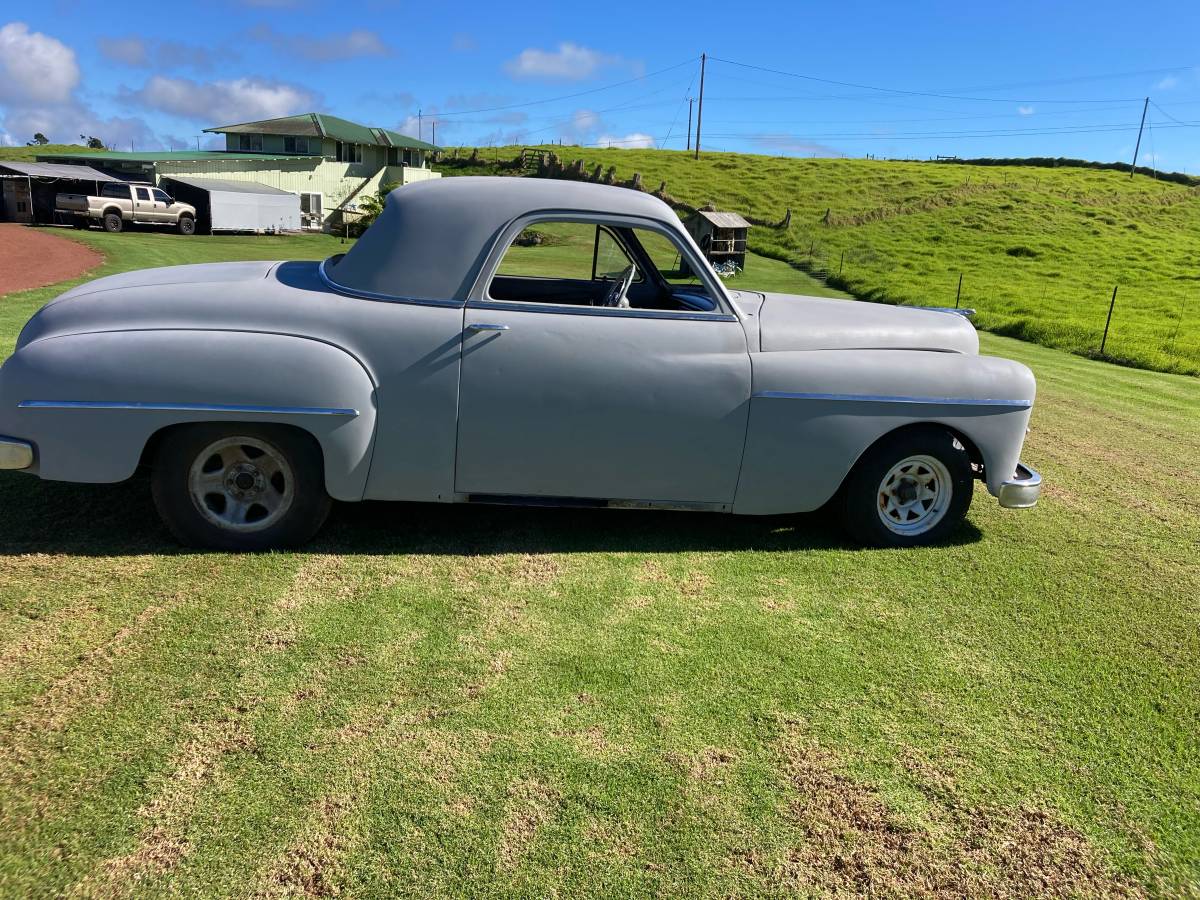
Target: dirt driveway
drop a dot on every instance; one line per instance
(34, 257)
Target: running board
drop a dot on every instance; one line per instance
(593, 502)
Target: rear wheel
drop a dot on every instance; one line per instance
(187, 225)
(240, 487)
(911, 489)
(113, 222)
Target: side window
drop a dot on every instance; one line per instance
(563, 250)
(161, 196)
(115, 189)
(143, 194)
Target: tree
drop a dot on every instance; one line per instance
(38, 139)
(371, 205)
(92, 143)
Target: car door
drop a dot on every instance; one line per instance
(579, 401)
(162, 206)
(143, 205)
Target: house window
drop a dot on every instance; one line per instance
(311, 213)
(295, 145)
(252, 143)
(349, 153)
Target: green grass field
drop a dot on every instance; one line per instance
(501, 702)
(1040, 249)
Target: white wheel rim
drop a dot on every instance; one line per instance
(241, 484)
(914, 495)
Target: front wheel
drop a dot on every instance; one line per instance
(910, 489)
(240, 487)
(187, 225)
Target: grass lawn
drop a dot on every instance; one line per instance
(1040, 249)
(439, 699)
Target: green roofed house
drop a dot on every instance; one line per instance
(331, 163)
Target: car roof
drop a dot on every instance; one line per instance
(433, 236)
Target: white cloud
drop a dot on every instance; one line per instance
(35, 68)
(584, 122)
(334, 48)
(223, 102)
(162, 56)
(64, 123)
(1167, 83)
(570, 62)
(1025, 110)
(636, 140)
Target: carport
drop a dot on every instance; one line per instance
(28, 189)
(228, 205)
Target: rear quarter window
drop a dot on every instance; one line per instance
(115, 189)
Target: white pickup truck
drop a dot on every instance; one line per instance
(122, 202)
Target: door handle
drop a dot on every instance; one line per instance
(480, 326)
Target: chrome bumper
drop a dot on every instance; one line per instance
(1021, 492)
(15, 454)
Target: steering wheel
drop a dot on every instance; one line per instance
(615, 297)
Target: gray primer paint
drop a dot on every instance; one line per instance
(761, 413)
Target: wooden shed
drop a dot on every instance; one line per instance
(721, 235)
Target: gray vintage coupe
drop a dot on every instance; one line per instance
(508, 340)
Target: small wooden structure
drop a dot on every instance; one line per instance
(721, 235)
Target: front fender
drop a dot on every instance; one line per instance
(90, 402)
(814, 413)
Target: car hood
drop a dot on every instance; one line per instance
(792, 322)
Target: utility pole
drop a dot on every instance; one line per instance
(690, 100)
(418, 125)
(1138, 145)
(700, 111)
(434, 126)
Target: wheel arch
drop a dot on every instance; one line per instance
(94, 417)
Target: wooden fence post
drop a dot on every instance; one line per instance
(1108, 321)
(958, 294)
(841, 262)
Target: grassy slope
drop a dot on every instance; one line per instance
(445, 699)
(31, 153)
(909, 229)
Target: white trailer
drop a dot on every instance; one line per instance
(226, 205)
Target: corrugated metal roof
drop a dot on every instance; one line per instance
(57, 170)
(323, 125)
(169, 155)
(724, 219)
(228, 186)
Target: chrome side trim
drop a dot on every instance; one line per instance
(385, 298)
(880, 398)
(15, 454)
(189, 407)
(1022, 490)
(965, 312)
(568, 310)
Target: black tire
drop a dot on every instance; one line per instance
(113, 223)
(187, 225)
(184, 456)
(912, 520)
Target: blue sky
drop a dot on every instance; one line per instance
(895, 80)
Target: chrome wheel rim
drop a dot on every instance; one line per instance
(914, 495)
(241, 484)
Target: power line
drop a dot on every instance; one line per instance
(607, 87)
(907, 93)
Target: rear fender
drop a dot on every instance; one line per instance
(90, 403)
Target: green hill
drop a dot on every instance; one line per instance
(27, 153)
(1039, 248)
